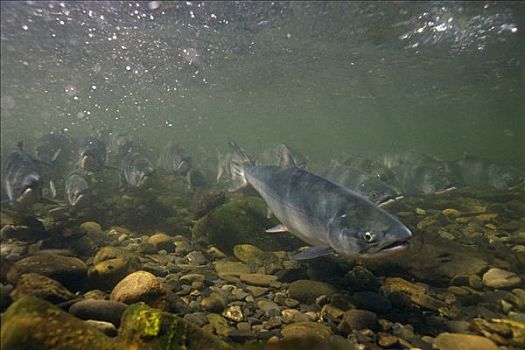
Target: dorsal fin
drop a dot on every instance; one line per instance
(286, 159)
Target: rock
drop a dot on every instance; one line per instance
(307, 291)
(257, 291)
(219, 324)
(258, 279)
(360, 279)
(386, 340)
(107, 328)
(356, 319)
(232, 268)
(101, 310)
(234, 313)
(268, 307)
(213, 303)
(256, 258)
(306, 329)
(192, 277)
(110, 265)
(162, 241)
(196, 258)
(498, 278)
(458, 341)
(69, 271)
(197, 318)
(42, 287)
(371, 301)
(91, 227)
(242, 220)
(138, 286)
(32, 323)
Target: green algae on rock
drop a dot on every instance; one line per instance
(239, 221)
(42, 287)
(32, 323)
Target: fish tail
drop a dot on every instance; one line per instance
(239, 161)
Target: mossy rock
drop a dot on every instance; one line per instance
(242, 220)
(42, 287)
(69, 271)
(152, 329)
(32, 323)
(111, 265)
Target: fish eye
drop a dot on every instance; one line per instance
(368, 236)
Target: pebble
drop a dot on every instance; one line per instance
(232, 268)
(219, 324)
(197, 318)
(101, 310)
(233, 313)
(498, 278)
(307, 329)
(162, 241)
(360, 279)
(386, 340)
(358, 319)
(307, 291)
(256, 291)
(258, 279)
(196, 258)
(459, 341)
(192, 277)
(213, 303)
(268, 307)
(138, 286)
(42, 287)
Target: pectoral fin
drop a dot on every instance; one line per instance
(313, 252)
(278, 228)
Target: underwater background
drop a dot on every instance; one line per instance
(425, 100)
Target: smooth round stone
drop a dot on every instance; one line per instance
(213, 303)
(268, 307)
(458, 341)
(138, 286)
(307, 291)
(358, 319)
(258, 279)
(232, 268)
(101, 310)
(498, 278)
(386, 340)
(307, 329)
(162, 241)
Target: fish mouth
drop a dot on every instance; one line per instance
(389, 249)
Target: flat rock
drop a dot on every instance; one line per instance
(258, 279)
(498, 278)
(459, 341)
(138, 286)
(42, 287)
(307, 291)
(97, 309)
(306, 329)
(69, 271)
(232, 268)
(358, 319)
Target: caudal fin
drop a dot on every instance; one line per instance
(238, 161)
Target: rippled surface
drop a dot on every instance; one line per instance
(363, 77)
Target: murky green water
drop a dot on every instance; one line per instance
(422, 101)
(366, 78)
